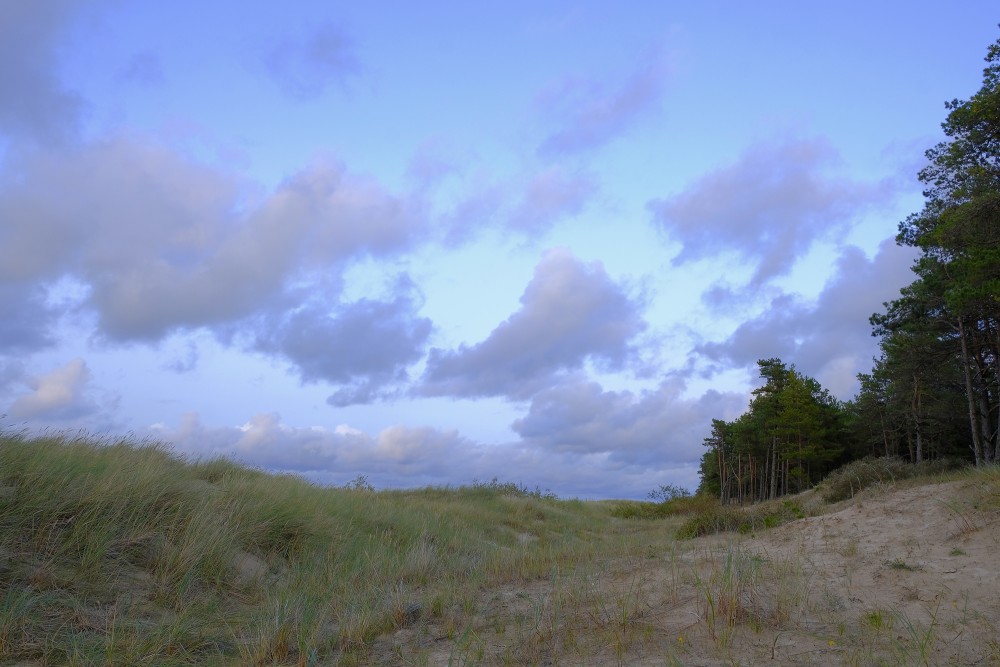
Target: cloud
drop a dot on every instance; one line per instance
(588, 113)
(408, 457)
(529, 204)
(550, 195)
(333, 455)
(571, 311)
(164, 243)
(769, 207)
(58, 395)
(27, 319)
(649, 428)
(363, 345)
(831, 338)
(305, 67)
(35, 106)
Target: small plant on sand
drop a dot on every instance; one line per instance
(731, 594)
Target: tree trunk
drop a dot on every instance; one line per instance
(977, 444)
(918, 453)
(774, 467)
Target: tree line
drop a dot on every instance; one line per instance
(934, 389)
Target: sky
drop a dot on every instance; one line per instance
(432, 243)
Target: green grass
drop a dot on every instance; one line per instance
(122, 553)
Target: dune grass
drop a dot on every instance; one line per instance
(123, 553)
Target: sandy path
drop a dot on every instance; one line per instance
(902, 577)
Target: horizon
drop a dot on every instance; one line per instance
(431, 245)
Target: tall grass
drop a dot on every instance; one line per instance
(122, 553)
(115, 552)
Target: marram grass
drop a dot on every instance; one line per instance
(122, 553)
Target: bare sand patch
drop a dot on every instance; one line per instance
(897, 576)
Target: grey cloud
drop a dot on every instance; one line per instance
(27, 319)
(363, 345)
(306, 66)
(35, 106)
(570, 312)
(831, 338)
(651, 428)
(588, 113)
(769, 206)
(165, 243)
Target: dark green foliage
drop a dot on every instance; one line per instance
(494, 487)
(744, 520)
(934, 392)
(787, 440)
(941, 338)
(667, 492)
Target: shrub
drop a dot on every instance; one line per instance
(732, 518)
(667, 492)
(847, 480)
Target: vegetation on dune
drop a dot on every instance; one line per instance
(934, 391)
(120, 553)
(115, 553)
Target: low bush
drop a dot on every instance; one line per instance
(674, 506)
(847, 480)
(733, 518)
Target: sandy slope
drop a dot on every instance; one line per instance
(898, 577)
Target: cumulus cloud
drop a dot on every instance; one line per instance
(164, 243)
(407, 457)
(587, 113)
(35, 106)
(57, 395)
(769, 206)
(306, 66)
(335, 455)
(362, 346)
(571, 311)
(829, 339)
(647, 428)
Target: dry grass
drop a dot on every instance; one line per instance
(112, 553)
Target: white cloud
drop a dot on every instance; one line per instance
(165, 243)
(829, 339)
(587, 113)
(408, 457)
(769, 206)
(59, 394)
(571, 311)
(656, 428)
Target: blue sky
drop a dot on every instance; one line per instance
(436, 242)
